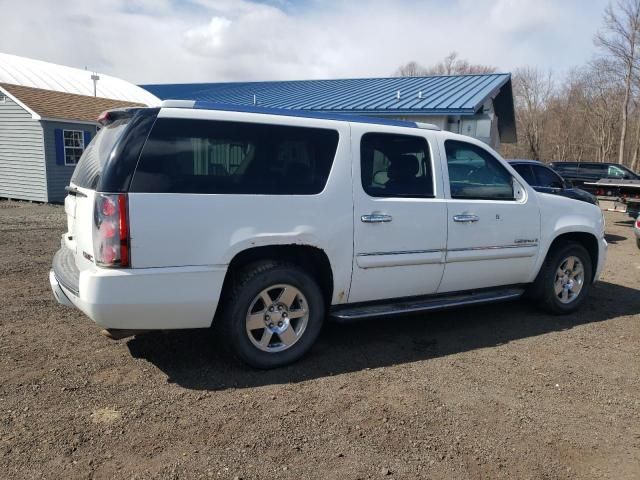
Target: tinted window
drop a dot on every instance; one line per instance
(525, 172)
(475, 174)
(616, 172)
(92, 161)
(545, 177)
(593, 168)
(203, 156)
(395, 166)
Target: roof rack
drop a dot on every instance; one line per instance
(428, 126)
(342, 117)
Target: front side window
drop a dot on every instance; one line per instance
(203, 156)
(395, 166)
(475, 174)
(525, 172)
(615, 172)
(73, 146)
(545, 177)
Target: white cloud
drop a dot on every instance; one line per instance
(518, 15)
(149, 41)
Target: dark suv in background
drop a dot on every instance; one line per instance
(579, 173)
(544, 179)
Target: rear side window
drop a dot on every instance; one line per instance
(395, 166)
(593, 168)
(475, 174)
(91, 163)
(204, 156)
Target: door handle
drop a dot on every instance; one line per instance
(466, 218)
(376, 218)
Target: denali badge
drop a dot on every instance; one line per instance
(87, 256)
(525, 240)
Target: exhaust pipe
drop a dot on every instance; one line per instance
(119, 334)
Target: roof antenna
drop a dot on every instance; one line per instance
(255, 101)
(398, 95)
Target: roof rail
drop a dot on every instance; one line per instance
(343, 117)
(428, 126)
(178, 103)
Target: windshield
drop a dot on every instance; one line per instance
(89, 168)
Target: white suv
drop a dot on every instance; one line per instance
(260, 223)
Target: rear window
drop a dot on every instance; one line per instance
(204, 156)
(89, 169)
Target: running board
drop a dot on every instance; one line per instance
(398, 307)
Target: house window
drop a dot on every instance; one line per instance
(3, 97)
(73, 146)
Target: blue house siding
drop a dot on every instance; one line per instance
(59, 174)
(22, 165)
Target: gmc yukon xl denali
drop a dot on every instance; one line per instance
(261, 223)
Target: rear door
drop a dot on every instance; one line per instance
(400, 215)
(79, 202)
(493, 221)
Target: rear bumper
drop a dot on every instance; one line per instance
(144, 299)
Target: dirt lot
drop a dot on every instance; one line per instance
(494, 392)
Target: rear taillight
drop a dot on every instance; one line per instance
(111, 230)
(638, 223)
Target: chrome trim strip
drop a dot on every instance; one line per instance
(468, 249)
(405, 252)
(494, 247)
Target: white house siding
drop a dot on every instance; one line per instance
(58, 175)
(22, 166)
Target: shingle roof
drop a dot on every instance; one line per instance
(397, 96)
(63, 106)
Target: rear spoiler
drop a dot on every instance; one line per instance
(110, 116)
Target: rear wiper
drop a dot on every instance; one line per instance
(74, 191)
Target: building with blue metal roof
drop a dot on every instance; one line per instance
(477, 105)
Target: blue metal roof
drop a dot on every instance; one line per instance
(398, 96)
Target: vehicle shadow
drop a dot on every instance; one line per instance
(613, 238)
(193, 359)
(624, 223)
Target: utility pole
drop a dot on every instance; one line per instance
(95, 78)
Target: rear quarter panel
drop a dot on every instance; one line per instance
(171, 230)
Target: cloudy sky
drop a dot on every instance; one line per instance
(160, 41)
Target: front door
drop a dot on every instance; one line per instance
(400, 215)
(493, 221)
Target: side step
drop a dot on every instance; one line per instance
(407, 306)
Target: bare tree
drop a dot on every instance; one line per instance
(450, 65)
(533, 91)
(619, 39)
(410, 69)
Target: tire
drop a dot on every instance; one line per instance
(269, 339)
(569, 298)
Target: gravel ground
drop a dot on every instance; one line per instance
(494, 392)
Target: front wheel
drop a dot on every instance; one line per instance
(564, 279)
(273, 315)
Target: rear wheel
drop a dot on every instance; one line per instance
(564, 279)
(273, 315)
